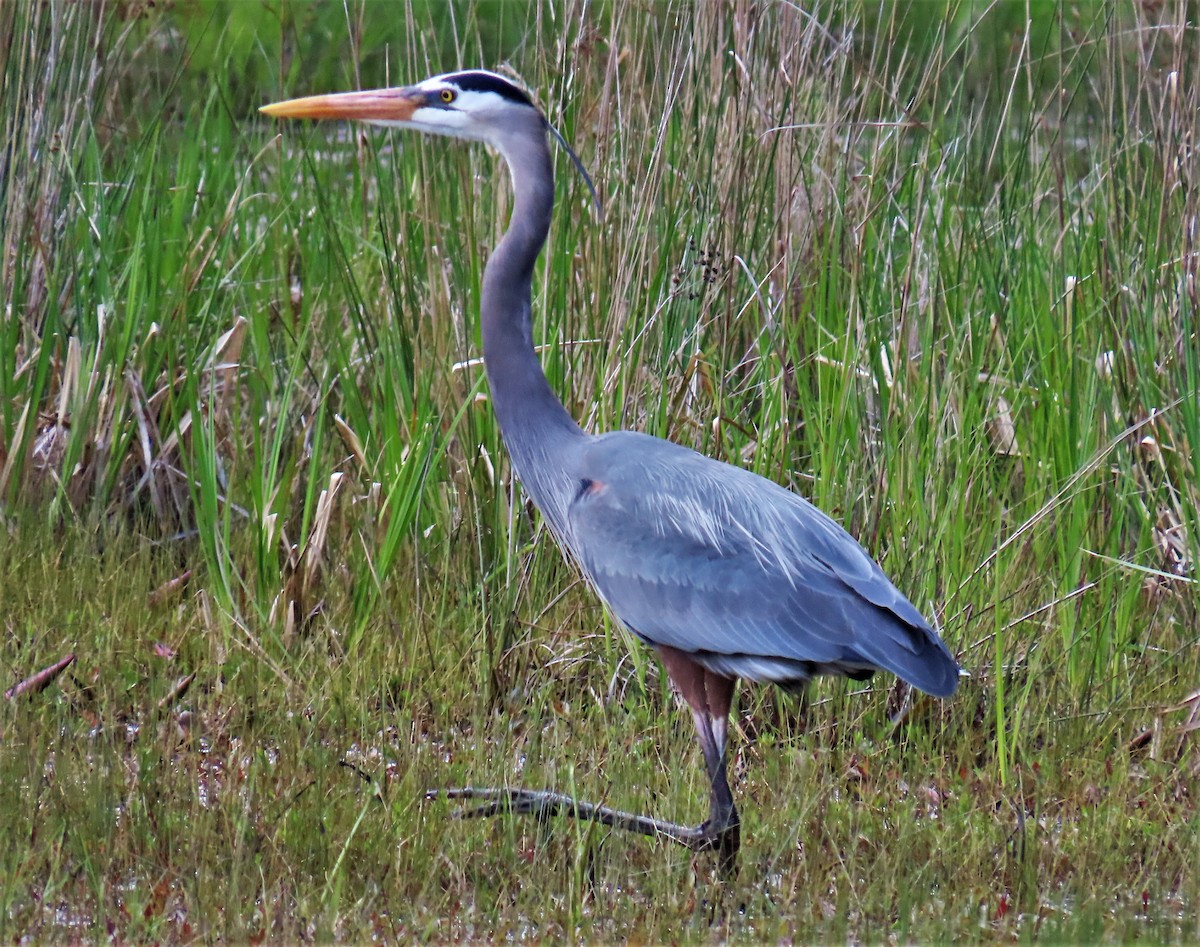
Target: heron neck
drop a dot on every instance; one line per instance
(533, 422)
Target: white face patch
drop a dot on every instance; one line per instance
(471, 114)
(439, 122)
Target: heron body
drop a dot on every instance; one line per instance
(723, 573)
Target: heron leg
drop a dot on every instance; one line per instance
(710, 697)
(712, 728)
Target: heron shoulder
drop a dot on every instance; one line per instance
(650, 494)
(661, 479)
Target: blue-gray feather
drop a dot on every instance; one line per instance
(749, 578)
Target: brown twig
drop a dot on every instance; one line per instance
(38, 682)
(176, 692)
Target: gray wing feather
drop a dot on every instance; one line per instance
(713, 560)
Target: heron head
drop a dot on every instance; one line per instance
(474, 104)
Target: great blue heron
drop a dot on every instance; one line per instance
(722, 572)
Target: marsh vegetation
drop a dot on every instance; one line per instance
(934, 268)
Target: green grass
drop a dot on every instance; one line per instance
(934, 268)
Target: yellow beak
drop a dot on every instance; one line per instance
(392, 105)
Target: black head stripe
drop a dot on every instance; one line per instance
(487, 82)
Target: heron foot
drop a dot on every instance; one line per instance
(721, 834)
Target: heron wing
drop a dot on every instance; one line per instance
(719, 562)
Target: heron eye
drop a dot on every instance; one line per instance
(448, 96)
